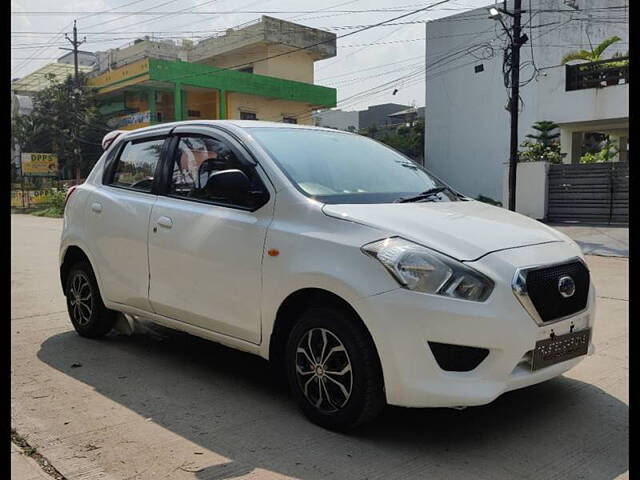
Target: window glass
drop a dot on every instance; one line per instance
(248, 116)
(137, 165)
(338, 167)
(207, 169)
(289, 120)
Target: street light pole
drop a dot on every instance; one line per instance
(514, 101)
(516, 40)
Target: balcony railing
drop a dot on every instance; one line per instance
(599, 74)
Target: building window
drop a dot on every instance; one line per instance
(193, 113)
(289, 120)
(248, 116)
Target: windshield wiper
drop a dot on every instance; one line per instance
(423, 195)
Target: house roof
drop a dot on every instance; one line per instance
(36, 81)
(404, 112)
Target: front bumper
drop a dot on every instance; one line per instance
(402, 323)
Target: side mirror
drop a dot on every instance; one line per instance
(232, 184)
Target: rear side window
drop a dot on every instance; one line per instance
(137, 165)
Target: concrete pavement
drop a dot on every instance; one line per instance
(605, 241)
(25, 468)
(177, 407)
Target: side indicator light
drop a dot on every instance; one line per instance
(273, 252)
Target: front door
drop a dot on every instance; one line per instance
(206, 243)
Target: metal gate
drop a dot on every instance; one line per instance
(591, 193)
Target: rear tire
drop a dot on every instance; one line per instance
(333, 369)
(87, 312)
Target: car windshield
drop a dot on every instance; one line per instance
(335, 167)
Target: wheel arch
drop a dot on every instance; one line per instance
(72, 255)
(290, 310)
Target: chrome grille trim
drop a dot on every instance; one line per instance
(519, 286)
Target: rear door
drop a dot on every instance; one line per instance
(206, 246)
(118, 219)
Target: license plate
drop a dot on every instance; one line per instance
(560, 348)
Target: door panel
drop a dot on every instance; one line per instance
(205, 269)
(205, 242)
(117, 230)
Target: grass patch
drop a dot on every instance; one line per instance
(32, 452)
(50, 212)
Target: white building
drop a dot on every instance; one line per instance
(467, 128)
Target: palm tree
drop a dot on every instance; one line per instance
(591, 56)
(545, 137)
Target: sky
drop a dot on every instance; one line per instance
(392, 55)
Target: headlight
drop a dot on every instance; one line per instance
(422, 270)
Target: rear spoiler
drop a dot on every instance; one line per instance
(110, 137)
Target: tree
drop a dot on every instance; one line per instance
(406, 139)
(66, 121)
(545, 127)
(593, 55)
(546, 147)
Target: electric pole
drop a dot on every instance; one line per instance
(75, 43)
(512, 61)
(514, 101)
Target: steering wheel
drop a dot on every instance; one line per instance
(145, 183)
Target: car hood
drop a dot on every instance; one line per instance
(465, 230)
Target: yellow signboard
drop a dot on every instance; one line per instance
(29, 198)
(39, 165)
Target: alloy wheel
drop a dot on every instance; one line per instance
(80, 299)
(323, 370)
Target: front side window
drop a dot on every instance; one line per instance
(137, 165)
(206, 169)
(336, 167)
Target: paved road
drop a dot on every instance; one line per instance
(177, 407)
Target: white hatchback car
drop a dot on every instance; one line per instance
(360, 275)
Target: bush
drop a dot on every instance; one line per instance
(537, 152)
(54, 199)
(606, 154)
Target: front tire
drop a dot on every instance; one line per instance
(87, 312)
(333, 369)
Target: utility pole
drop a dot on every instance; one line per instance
(514, 102)
(75, 43)
(516, 40)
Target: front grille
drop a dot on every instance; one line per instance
(542, 287)
(457, 358)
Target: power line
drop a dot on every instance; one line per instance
(368, 27)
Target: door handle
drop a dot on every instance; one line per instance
(165, 222)
(96, 207)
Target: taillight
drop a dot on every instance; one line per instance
(69, 192)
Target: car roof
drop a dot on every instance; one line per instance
(240, 124)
